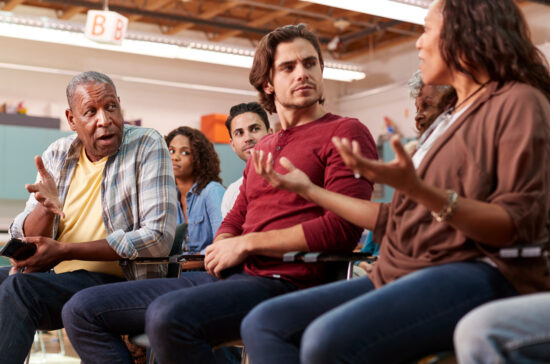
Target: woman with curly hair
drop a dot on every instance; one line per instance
(478, 182)
(197, 173)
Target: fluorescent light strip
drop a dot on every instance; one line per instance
(207, 53)
(384, 8)
(149, 81)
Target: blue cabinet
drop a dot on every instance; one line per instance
(18, 146)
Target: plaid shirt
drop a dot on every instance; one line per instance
(138, 195)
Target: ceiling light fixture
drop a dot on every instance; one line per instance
(142, 80)
(408, 11)
(70, 33)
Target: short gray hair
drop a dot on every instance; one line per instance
(87, 78)
(415, 85)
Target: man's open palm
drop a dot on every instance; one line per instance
(45, 190)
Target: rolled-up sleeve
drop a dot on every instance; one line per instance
(522, 185)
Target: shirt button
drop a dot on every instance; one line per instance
(278, 148)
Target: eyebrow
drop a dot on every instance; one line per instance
(292, 62)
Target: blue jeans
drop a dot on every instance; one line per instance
(351, 322)
(513, 330)
(34, 301)
(183, 317)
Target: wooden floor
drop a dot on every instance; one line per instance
(51, 352)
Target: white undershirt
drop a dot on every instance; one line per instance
(440, 128)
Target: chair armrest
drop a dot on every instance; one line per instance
(524, 251)
(315, 257)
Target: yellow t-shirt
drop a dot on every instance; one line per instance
(83, 217)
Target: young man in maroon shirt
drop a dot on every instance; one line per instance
(184, 317)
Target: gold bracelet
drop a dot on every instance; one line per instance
(449, 208)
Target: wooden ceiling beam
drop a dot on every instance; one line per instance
(72, 11)
(262, 20)
(377, 48)
(151, 6)
(204, 15)
(12, 4)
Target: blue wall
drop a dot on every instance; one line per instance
(19, 145)
(232, 166)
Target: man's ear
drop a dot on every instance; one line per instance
(232, 145)
(270, 131)
(268, 88)
(70, 119)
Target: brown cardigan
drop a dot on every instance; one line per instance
(498, 151)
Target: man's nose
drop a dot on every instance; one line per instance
(248, 137)
(103, 118)
(302, 72)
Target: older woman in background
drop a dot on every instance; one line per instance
(479, 181)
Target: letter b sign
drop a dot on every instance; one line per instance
(106, 26)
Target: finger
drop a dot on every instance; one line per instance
(356, 148)
(269, 164)
(258, 162)
(31, 188)
(261, 161)
(59, 212)
(397, 147)
(40, 167)
(17, 264)
(210, 264)
(254, 155)
(218, 271)
(342, 146)
(286, 164)
(54, 208)
(31, 239)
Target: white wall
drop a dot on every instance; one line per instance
(384, 91)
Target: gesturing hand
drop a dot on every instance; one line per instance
(295, 180)
(45, 190)
(399, 173)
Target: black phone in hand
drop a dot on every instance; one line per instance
(18, 250)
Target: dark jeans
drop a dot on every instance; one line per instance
(31, 301)
(183, 317)
(351, 322)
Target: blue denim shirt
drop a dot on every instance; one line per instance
(203, 215)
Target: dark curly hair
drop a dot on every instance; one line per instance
(206, 164)
(264, 56)
(491, 35)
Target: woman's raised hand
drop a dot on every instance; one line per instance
(295, 180)
(399, 173)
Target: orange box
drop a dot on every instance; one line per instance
(213, 126)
